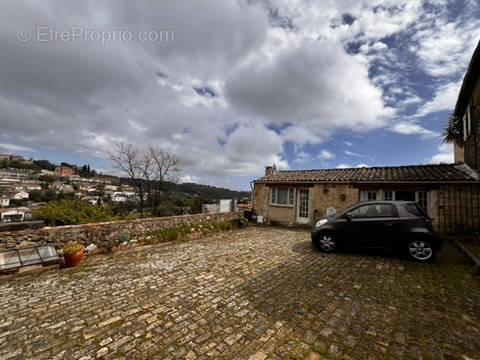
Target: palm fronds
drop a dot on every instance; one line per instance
(453, 132)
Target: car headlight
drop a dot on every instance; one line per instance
(321, 222)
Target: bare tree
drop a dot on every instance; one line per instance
(148, 172)
(127, 160)
(146, 169)
(165, 168)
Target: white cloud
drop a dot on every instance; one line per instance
(444, 99)
(347, 166)
(82, 97)
(379, 46)
(247, 150)
(373, 19)
(351, 153)
(14, 148)
(445, 47)
(303, 157)
(300, 135)
(410, 128)
(185, 178)
(326, 155)
(411, 99)
(315, 84)
(445, 155)
(136, 127)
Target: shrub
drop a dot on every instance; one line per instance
(171, 234)
(73, 212)
(72, 249)
(180, 233)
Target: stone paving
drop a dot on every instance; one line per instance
(256, 293)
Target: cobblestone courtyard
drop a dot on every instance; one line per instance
(253, 293)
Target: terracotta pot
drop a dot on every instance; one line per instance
(74, 260)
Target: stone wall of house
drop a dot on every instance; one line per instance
(434, 209)
(472, 144)
(322, 196)
(281, 214)
(261, 197)
(457, 209)
(338, 196)
(454, 209)
(102, 234)
(458, 153)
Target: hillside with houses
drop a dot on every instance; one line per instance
(27, 185)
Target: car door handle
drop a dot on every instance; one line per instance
(389, 223)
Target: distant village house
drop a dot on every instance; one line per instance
(20, 195)
(64, 171)
(15, 214)
(11, 158)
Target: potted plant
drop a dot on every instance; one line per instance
(73, 254)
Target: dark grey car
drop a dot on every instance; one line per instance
(399, 225)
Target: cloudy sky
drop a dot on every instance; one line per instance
(233, 85)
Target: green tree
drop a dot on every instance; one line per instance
(45, 164)
(72, 212)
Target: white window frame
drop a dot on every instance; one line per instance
(364, 195)
(290, 197)
(301, 219)
(417, 197)
(393, 195)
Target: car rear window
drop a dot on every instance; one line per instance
(415, 209)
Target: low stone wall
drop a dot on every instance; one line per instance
(102, 234)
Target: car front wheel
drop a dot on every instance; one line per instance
(326, 242)
(421, 250)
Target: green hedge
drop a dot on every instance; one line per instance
(73, 212)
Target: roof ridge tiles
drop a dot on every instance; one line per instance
(427, 172)
(369, 168)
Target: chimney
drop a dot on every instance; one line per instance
(269, 170)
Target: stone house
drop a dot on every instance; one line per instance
(449, 192)
(61, 187)
(465, 121)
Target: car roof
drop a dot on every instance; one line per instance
(393, 202)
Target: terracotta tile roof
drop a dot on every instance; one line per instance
(416, 173)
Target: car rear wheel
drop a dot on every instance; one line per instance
(421, 250)
(326, 242)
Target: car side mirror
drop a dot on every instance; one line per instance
(348, 217)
